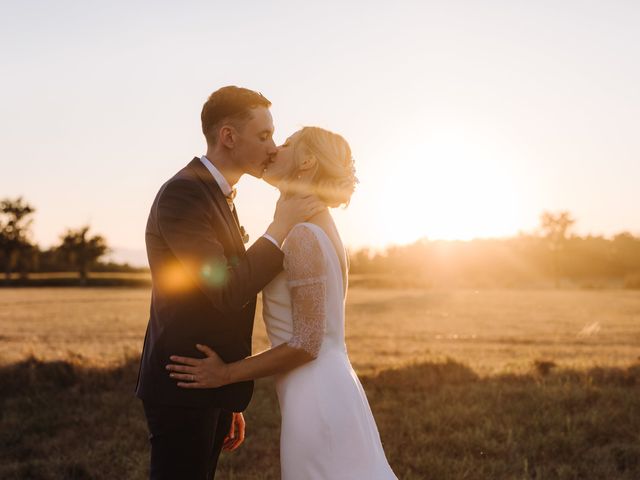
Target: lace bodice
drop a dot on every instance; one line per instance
(304, 305)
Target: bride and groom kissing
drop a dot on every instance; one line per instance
(197, 371)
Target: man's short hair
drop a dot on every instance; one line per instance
(229, 105)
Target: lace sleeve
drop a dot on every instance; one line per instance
(306, 278)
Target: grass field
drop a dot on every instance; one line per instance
(451, 377)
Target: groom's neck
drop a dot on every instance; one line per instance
(225, 166)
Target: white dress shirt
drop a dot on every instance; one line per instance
(217, 176)
(226, 188)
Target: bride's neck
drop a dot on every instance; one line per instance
(318, 217)
(321, 217)
(303, 187)
(288, 188)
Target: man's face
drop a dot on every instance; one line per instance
(255, 147)
(283, 165)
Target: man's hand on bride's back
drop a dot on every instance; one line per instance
(208, 372)
(291, 210)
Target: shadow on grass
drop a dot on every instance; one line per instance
(437, 421)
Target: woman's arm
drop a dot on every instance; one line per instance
(212, 372)
(305, 268)
(276, 360)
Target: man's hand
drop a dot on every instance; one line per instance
(291, 210)
(235, 437)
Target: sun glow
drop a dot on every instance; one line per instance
(454, 186)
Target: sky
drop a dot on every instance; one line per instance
(466, 119)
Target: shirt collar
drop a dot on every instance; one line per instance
(218, 177)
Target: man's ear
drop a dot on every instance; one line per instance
(227, 136)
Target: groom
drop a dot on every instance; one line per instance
(205, 284)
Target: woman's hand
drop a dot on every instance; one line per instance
(208, 372)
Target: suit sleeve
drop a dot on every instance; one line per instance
(189, 230)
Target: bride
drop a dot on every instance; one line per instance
(328, 430)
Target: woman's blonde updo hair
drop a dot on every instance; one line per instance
(335, 176)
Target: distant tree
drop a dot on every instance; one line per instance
(626, 253)
(15, 230)
(81, 251)
(360, 261)
(555, 228)
(28, 260)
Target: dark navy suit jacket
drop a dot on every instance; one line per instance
(204, 288)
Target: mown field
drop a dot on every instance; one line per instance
(464, 384)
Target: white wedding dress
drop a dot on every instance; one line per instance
(328, 431)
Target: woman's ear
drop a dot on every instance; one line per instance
(309, 161)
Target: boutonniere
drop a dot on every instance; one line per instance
(244, 235)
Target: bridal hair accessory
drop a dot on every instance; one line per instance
(354, 179)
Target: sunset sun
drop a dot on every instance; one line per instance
(454, 187)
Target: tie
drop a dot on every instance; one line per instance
(230, 198)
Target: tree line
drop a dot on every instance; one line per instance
(77, 249)
(552, 255)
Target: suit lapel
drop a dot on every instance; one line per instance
(219, 199)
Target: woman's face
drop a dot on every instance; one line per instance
(283, 165)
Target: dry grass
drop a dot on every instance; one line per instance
(492, 331)
(464, 384)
